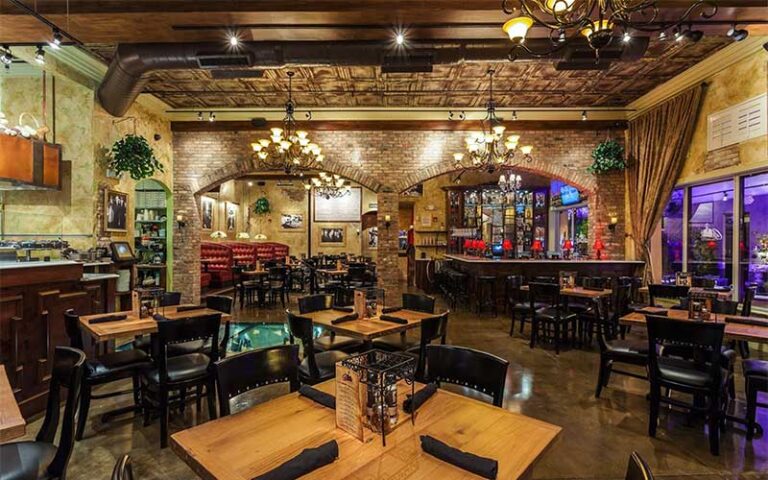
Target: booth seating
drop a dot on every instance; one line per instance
(205, 279)
(246, 253)
(218, 259)
(243, 253)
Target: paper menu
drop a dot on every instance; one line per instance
(349, 402)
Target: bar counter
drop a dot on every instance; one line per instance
(33, 299)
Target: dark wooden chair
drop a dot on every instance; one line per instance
(181, 372)
(756, 380)
(637, 469)
(431, 329)
(554, 320)
(662, 291)
(517, 303)
(277, 284)
(123, 469)
(169, 299)
(315, 367)
(103, 369)
(479, 371)
(41, 459)
(701, 376)
(399, 342)
(250, 370)
(223, 304)
(322, 301)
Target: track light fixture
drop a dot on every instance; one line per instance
(6, 58)
(56, 40)
(40, 55)
(584, 115)
(737, 34)
(514, 115)
(200, 116)
(211, 117)
(627, 37)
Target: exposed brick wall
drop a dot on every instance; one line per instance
(721, 158)
(387, 162)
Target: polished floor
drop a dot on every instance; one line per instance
(598, 434)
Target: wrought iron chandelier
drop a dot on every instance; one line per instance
(288, 149)
(487, 149)
(596, 20)
(328, 186)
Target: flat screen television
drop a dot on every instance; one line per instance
(569, 195)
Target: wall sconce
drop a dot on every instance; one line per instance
(613, 223)
(387, 220)
(357, 230)
(180, 222)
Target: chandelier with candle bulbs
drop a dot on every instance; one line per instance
(597, 21)
(487, 149)
(288, 149)
(328, 186)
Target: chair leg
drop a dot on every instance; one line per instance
(557, 338)
(199, 399)
(534, 331)
(522, 323)
(714, 427)
(82, 416)
(512, 327)
(163, 399)
(751, 410)
(183, 400)
(653, 418)
(136, 390)
(603, 375)
(210, 389)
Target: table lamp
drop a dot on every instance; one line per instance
(506, 245)
(599, 246)
(567, 247)
(536, 248)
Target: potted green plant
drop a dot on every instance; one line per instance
(133, 154)
(608, 156)
(261, 207)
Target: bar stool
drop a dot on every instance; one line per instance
(485, 292)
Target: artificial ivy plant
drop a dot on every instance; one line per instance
(608, 156)
(261, 207)
(133, 154)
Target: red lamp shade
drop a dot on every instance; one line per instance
(599, 245)
(467, 244)
(537, 246)
(506, 245)
(712, 244)
(567, 245)
(481, 244)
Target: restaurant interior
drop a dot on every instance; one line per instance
(517, 239)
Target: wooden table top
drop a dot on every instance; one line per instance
(256, 440)
(255, 273)
(133, 325)
(333, 271)
(721, 294)
(580, 292)
(368, 328)
(735, 331)
(12, 424)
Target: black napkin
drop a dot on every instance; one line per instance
(308, 460)
(343, 309)
(747, 321)
(412, 403)
(661, 313)
(594, 289)
(188, 308)
(485, 467)
(345, 318)
(390, 318)
(108, 318)
(324, 399)
(391, 309)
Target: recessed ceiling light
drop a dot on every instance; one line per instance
(399, 39)
(250, 184)
(233, 40)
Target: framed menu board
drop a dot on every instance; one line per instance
(342, 209)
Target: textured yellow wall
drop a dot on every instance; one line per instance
(742, 81)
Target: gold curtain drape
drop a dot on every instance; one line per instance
(658, 143)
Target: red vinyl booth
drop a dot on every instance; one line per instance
(218, 258)
(279, 250)
(243, 253)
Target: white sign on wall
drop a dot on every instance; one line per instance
(342, 209)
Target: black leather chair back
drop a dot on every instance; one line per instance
(662, 290)
(637, 469)
(72, 327)
(169, 299)
(548, 293)
(419, 303)
(470, 368)
(596, 282)
(545, 279)
(620, 296)
(68, 370)
(749, 296)
(184, 330)
(725, 307)
(301, 328)
(123, 469)
(604, 330)
(315, 303)
(703, 339)
(432, 328)
(250, 370)
(220, 303)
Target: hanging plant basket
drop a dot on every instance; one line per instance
(261, 207)
(133, 154)
(608, 156)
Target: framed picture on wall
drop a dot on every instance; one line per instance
(231, 210)
(292, 222)
(342, 209)
(372, 237)
(333, 236)
(115, 211)
(206, 212)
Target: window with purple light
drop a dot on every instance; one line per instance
(753, 243)
(710, 233)
(672, 236)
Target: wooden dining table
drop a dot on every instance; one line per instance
(12, 424)
(721, 294)
(579, 292)
(367, 329)
(132, 325)
(258, 439)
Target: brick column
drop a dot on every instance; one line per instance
(186, 244)
(387, 265)
(608, 201)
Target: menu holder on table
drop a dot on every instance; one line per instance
(350, 402)
(757, 322)
(107, 319)
(485, 467)
(393, 319)
(308, 460)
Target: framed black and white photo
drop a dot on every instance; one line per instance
(206, 209)
(342, 209)
(115, 211)
(372, 237)
(292, 222)
(231, 211)
(333, 236)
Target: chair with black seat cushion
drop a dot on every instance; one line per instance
(614, 351)
(701, 376)
(169, 299)
(41, 459)
(321, 301)
(517, 303)
(315, 367)
(554, 320)
(123, 469)
(181, 372)
(638, 469)
(399, 342)
(756, 380)
(223, 304)
(103, 369)
(662, 291)
(250, 370)
(431, 329)
(277, 284)
(469, 368)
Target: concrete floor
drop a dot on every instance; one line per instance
(598, 434)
